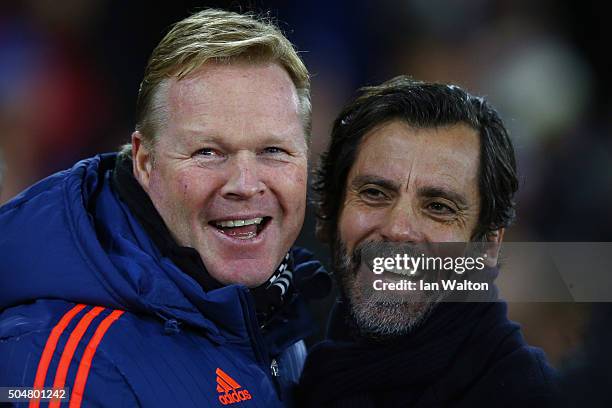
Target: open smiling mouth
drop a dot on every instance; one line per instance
(242, 229)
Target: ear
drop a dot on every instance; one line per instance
(142, 160)
(494, 240)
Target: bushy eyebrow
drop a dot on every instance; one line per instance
(377, 180)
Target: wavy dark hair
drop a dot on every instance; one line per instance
(421, 105)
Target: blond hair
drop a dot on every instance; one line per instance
(213, 35)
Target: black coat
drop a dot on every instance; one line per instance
(463, 355)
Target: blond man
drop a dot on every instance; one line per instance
(165, 275)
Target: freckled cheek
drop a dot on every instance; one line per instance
(289, 185)
(194, 190)
(297, 177)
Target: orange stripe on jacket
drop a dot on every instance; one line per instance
(47, 354)
(78, 390)
(70, 348)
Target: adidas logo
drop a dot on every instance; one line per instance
(228, 389)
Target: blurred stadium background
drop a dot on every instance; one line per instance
(70, 70)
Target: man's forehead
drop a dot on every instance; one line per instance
(229, 79)
(233, 96)
(444, 155)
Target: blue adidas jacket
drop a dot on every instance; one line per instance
(87, 302)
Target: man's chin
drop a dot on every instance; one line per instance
(384, 319)
(249, 272)
(387, 314)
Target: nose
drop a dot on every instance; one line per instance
(243, 181)
(401, 225)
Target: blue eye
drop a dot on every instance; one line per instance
(273, 150)
(207, 152)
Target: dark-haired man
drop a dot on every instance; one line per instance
(421, 164)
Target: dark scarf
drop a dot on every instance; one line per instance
(269, 296)
(432, 365)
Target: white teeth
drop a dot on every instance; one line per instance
(404, 272)
(239, 223)
(253, 221)
(250, 235)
